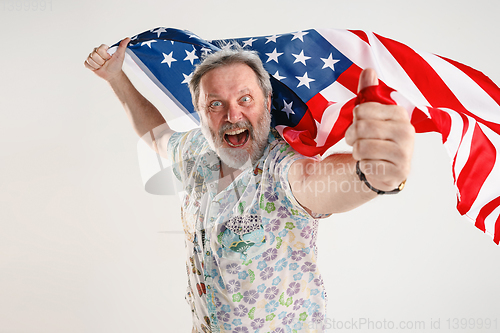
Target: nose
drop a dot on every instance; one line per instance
(234, 113)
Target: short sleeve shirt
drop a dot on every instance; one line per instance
(251, 249)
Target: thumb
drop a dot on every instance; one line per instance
(120, 51)
(367, 78)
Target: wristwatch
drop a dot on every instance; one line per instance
(362, 177)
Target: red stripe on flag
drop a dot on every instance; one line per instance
(496, 237)
(317, 105)
(481, 80)
(440, 120)
(485, 211)
(361, 34)
(428, 81)
(465, 127)
(301, 137)
(481, 160)
(423, 75)
(350, 78)
(302, 142)
(342, 124)
(423, 123)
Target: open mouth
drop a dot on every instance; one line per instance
(237, 137)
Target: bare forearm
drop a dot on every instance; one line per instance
(329, 186)
(382, 139)
(143, 115)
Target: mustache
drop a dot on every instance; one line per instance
(244, 124)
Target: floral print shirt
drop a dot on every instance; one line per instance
(251, 249)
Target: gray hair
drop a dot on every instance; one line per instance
(228, 56)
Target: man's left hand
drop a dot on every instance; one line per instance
(382, 138)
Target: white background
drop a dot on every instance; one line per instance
(83, 248)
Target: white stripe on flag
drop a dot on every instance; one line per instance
(490, 188)
(490, 221)
(455, 136)
(178, 120)
(468, 92)
(337, 93)
(365, 56)
(464, 148)
(349, 45)
(328, 119)
(340, 95)
(395, 76)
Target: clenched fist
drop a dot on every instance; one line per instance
(382, 138)
(104, 65)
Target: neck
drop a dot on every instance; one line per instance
(226, 170)
(227, 176)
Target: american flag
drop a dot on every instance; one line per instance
(315, 73)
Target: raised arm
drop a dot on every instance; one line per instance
(382, 138)
(143, 115)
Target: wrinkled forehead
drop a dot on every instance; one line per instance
(229, 79)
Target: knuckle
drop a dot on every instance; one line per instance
(394, 111)
(358, 111)
(401, 111)
(363, 127)
(361, 147)
(356, 146)
(355, 112)
(356, 156)
(349, 135)
(358, 126)
(101, 51)
(410, 130)
(363, 111)
(355, 151)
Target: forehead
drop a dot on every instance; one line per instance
(229, 79)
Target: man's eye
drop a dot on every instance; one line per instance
(215, 104)
(245, 99)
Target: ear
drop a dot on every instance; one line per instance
(269, 103)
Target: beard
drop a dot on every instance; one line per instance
(234, 157)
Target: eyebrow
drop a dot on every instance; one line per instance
(245, 91)
(242, 92)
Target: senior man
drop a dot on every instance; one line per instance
(252, 203)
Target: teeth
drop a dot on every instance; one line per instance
(236, 131)
(230, 144)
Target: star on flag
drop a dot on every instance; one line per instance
(329, 62)
(301, 57)
(169, 59)
(273, 56)
(288, 108)
(304, 80)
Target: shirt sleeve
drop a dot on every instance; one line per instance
(287, 157)
(174, 152)
(182, 148)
